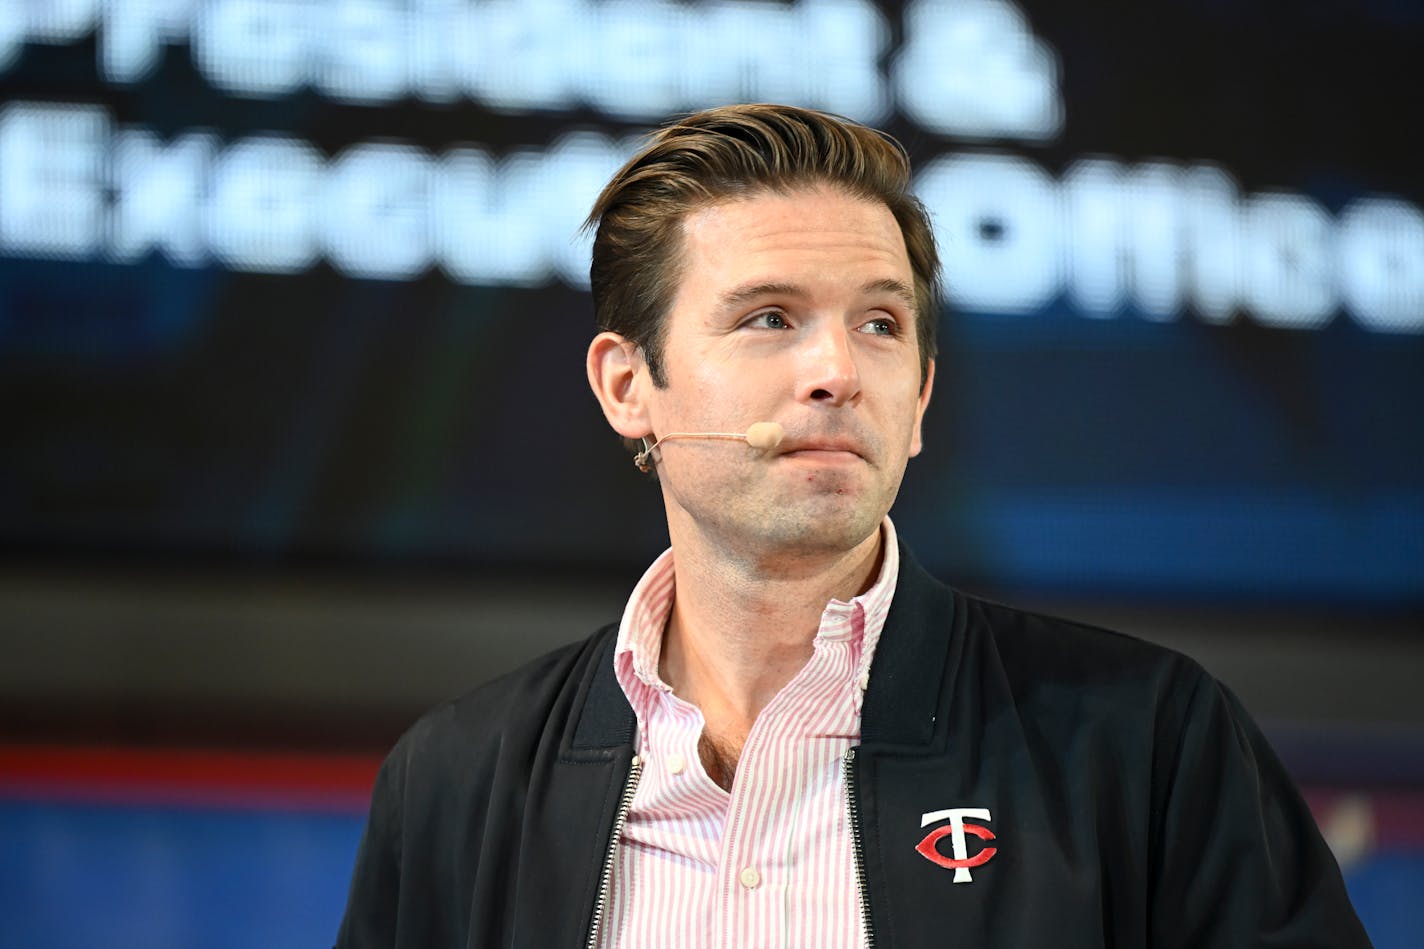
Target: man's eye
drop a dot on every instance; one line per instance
(884, 326)
(772, 320)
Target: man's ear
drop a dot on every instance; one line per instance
(618, 375)
(916, 436)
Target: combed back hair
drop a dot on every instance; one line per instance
(734, 152)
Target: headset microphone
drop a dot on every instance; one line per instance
(762, 436)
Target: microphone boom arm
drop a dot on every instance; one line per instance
(644, 458)
(762, 436)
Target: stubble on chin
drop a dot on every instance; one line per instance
(768, 529)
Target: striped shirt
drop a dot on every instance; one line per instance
(769, 864)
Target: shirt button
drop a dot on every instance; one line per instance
(676, 763)
(750, 878)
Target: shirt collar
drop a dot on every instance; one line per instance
(640, 632)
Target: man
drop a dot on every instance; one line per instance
(795, 737)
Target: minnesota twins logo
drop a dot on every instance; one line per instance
(956, 830)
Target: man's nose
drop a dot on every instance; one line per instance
(829, 371)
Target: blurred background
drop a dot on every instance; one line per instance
(295, 439)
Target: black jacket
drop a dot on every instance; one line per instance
(1133, 801)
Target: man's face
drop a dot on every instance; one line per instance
(798, 309)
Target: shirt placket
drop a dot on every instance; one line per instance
(741, 873)
(753, 872)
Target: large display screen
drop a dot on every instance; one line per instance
(303, 279)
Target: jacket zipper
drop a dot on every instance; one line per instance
(857, 848)
(605, 882)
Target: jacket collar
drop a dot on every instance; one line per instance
(911, 662)
(906, 678)
(605, 719)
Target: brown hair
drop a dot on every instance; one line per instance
(729, 152)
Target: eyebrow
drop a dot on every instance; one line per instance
(897, 288)
(740, 296)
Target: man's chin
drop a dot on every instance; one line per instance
(826, 527)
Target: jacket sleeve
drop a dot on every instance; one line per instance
(1237, 858)
(370, 920)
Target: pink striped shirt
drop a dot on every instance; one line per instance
(770, 863)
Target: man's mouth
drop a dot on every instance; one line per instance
(822, 449)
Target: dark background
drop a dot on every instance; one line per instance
(223, 440)
(279, 514)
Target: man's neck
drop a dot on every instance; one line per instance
(741, 629)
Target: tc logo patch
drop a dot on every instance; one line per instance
(955, 830)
